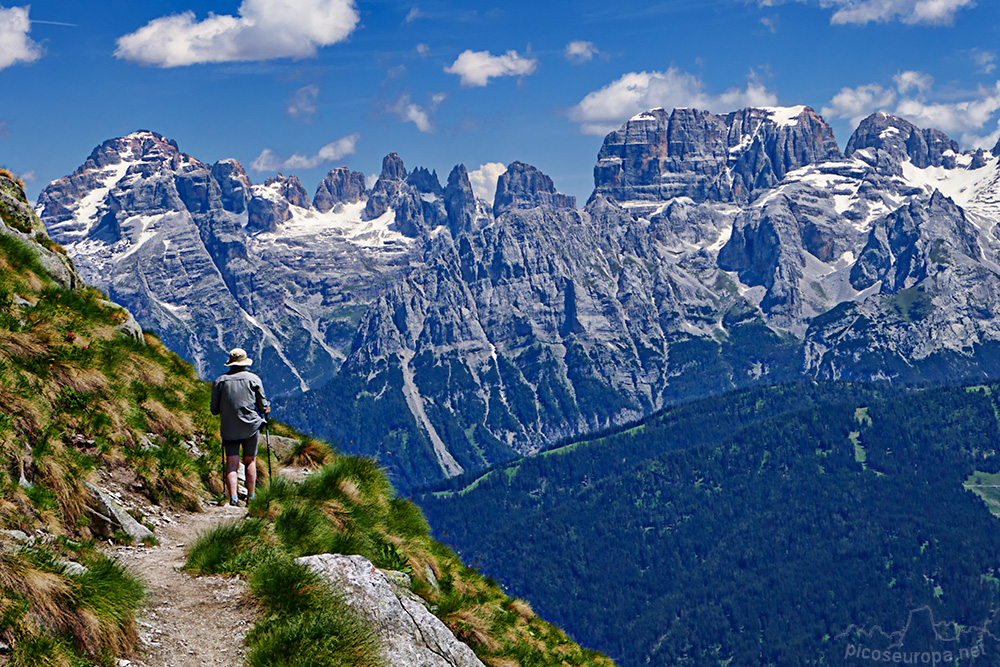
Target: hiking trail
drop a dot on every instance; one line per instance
(187, 621)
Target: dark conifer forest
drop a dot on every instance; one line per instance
(789, 525)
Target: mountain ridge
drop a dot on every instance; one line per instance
(716, 250)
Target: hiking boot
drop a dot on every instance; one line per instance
(234, 502)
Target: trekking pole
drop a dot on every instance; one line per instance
(267, 437)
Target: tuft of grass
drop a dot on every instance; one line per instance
(308, 453)
(230, 548)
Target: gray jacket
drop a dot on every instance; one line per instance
(238, 397)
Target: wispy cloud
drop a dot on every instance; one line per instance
(270, 160)
(419, 115)
(969, 118)
(985, 60)
(15, 45)
(263, 30)
(579, 52)
(476, 68)
(604, 110)
(927, 12)
(4, 129)
(484, 180)
(413, 15)
(302, 103)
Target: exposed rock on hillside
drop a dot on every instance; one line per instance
(408, 633)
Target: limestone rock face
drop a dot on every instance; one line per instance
(234, 185)
(659, 155)
(442, 333)
(408, 633)
(523, 186)
(341, 186)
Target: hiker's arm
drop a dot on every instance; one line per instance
(215, 398)
(263, 406)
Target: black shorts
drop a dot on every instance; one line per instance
(249, 446)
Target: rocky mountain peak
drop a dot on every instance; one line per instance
(657, 155)
(386, 187)
(460, 201)
(524, 186)
(289, 187)
(392, 168)
(996, 149)
(341, 186)
(425, 181)
(132, 147)
(886, 142)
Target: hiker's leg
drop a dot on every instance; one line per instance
(232, 465)
(250, 462)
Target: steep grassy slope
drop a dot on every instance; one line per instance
(81, 391)
(758, 527)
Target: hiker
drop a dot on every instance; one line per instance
(238, 398)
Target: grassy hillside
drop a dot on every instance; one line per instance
(81, 392)
(761, 527)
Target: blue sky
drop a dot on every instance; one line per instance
(302, 86)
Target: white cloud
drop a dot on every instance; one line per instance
(264, 29)
(419, 115)
(269, 160)
(910, 80)
(15, 45)
(302, 103)
(422, 50)
(484, 180)
(578, 52)
(771, 23)
(963, 119)
(856, 104)
(928, 12)
(604, 110)
(413, 15)
(985, 60)
(476, 68)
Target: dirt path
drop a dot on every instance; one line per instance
(188, 621)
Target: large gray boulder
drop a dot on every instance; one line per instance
(108, 516)
(409, 634)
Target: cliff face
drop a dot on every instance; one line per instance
(716, 250)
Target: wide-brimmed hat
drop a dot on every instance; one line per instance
(238, 357)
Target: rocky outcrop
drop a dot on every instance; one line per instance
(17, 219)
(904, 247)
(409, 635)
(341, 186)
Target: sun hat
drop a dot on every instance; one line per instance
(238, 357)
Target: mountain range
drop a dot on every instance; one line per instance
(442, 333)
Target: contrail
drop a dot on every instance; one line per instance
(71, 25)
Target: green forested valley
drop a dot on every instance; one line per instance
(775, 525)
